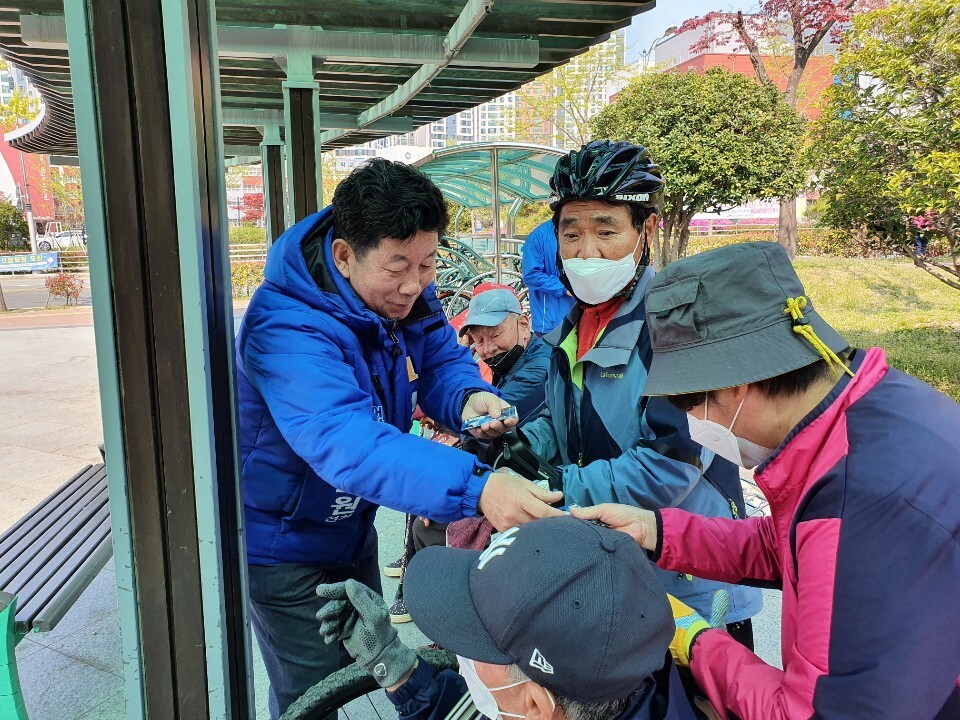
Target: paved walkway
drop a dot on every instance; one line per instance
(50, 428)
(30, 291)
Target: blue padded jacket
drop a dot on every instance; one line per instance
(326, 394)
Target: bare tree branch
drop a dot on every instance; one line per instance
(740, 25)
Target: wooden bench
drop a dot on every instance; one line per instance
(46, 561)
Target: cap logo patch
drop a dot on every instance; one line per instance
(538, 661)
(498, 547)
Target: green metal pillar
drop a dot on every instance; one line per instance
(145, 77)
(301, 113)
(104, 328)
(273, 193)
(207, 306)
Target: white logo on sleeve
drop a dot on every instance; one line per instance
(498, 547)
(538, 661)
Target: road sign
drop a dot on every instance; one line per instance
(18, 262)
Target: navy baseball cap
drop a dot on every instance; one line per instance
(575, 606)
(491, 307)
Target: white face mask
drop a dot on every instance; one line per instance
(482, 696)
(596, 280)
(714, 436)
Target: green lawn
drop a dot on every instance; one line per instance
(893, 305)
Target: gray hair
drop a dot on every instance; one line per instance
(574, 709)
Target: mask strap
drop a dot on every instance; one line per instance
(737, 414)
(553, 703)
(507, 687)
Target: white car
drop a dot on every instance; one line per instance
(62, 241)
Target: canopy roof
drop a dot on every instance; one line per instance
(383, 66)
(463, 172)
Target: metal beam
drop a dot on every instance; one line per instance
(454, 43)
(253, 117)
(65, 160)
(422, 48)
(241, 150)
(236, 160)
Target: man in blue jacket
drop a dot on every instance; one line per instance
(341, 342)
(557, 620)
(550, 300)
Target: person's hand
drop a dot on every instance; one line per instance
(425, 521)
(690, 624)
(509, 500)
(639, 524)
(486, 403)
(358, 617)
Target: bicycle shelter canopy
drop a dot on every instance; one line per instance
(491, 174)
(464, 172)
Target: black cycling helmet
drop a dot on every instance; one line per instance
(614, 171)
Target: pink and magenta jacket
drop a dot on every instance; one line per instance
(864, 540)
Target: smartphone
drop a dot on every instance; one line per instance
(475, 422)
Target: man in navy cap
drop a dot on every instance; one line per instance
(500, 333)
(558, 619)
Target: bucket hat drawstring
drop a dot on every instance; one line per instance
(802, 326)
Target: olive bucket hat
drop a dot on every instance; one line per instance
(732, 316)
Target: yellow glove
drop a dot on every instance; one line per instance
(690, 624)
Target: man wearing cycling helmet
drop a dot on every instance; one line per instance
(558, 619)
(611, 442)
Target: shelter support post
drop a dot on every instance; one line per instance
(512, 218)
(145, 85)
(301, 113)
(495, 194)
(271, 149)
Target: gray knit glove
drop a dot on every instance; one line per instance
(358, 617)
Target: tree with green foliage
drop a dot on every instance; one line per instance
(19, 109)
(13, 231)
(67, 191)
(780, 37)
(720, 138)
(13, 226)
(887, 147)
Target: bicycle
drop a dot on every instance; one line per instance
(348, 688)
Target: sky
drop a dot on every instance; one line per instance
(650, 25)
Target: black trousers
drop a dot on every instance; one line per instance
(283, 608)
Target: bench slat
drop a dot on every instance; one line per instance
(34, 550)
(56, 606)
(62, 501)
(61, 570)
(52, 497)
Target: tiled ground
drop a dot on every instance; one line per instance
(50, 427)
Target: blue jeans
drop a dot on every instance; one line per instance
(283, 608)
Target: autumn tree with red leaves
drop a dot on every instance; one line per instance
(252, 208)
(803, 24)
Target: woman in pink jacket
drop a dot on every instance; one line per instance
(859, 462)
